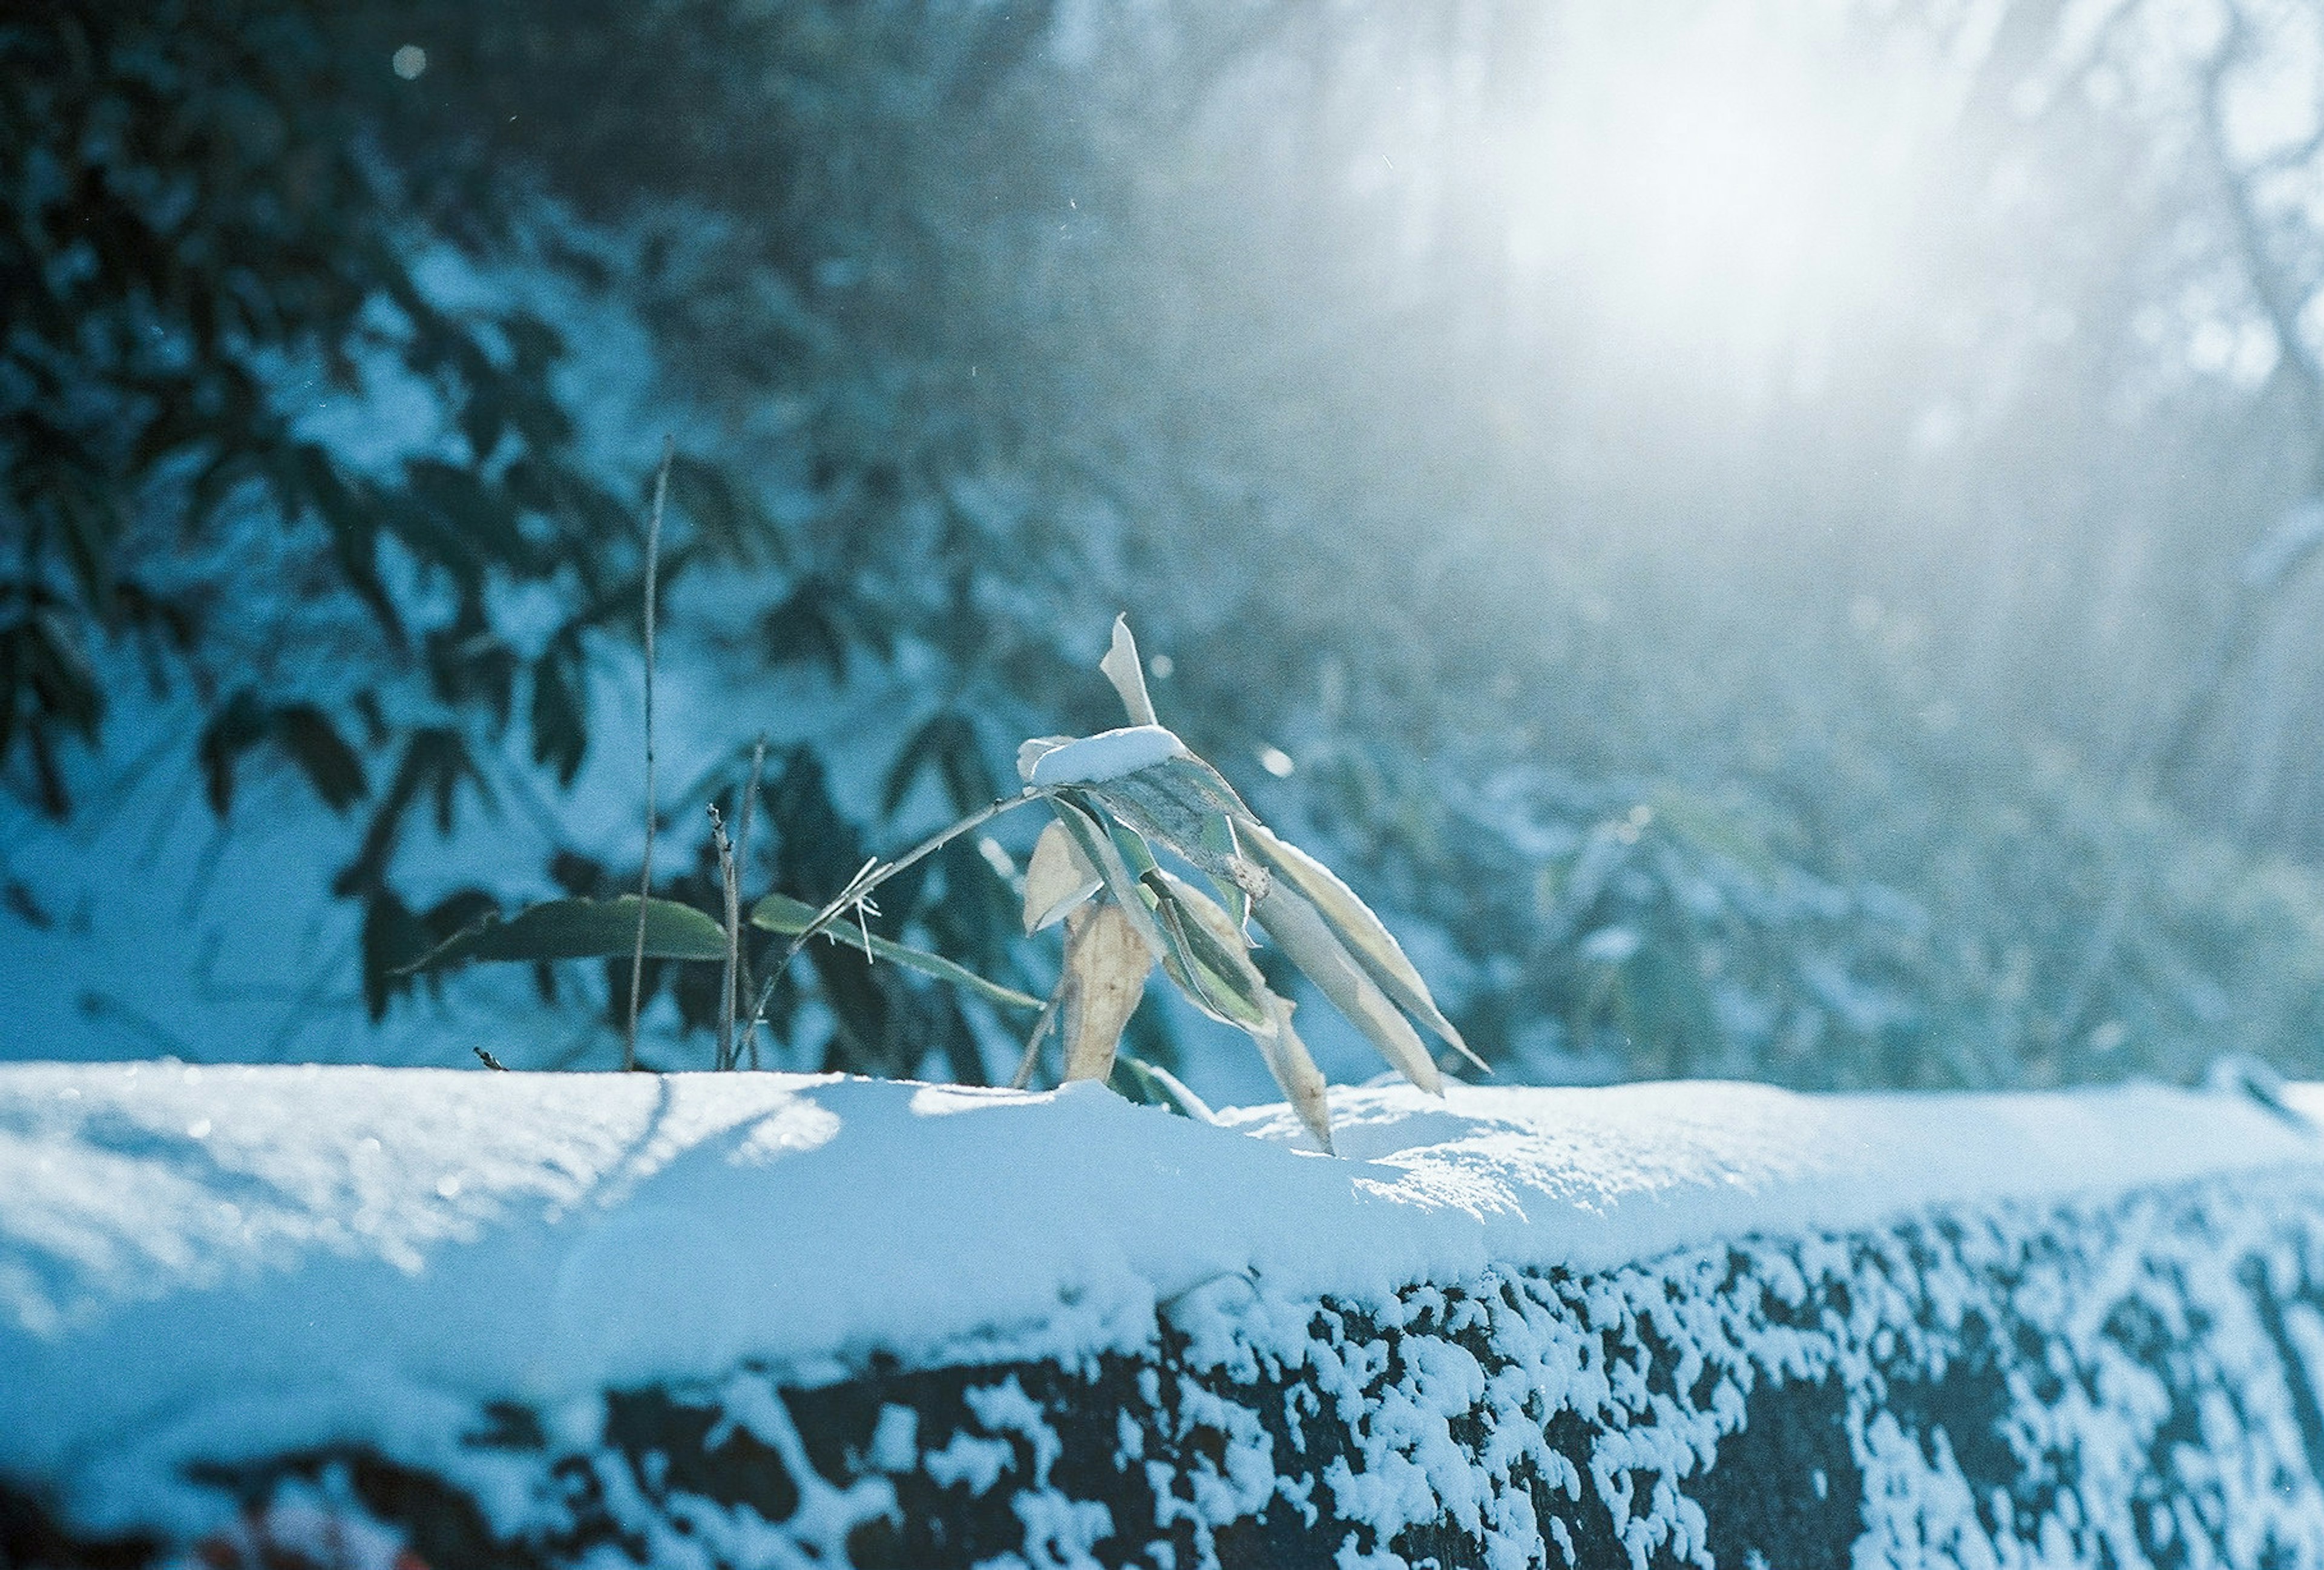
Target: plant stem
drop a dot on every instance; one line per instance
(734, 939)
(645, 876)
(742, 860)
(874, 875)
(1032, 1059)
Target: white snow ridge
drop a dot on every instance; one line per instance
(783, 1319)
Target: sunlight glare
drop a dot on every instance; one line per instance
(1707, 190)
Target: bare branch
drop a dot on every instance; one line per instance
(2277, 294)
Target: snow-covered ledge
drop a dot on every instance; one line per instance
(405, 1317)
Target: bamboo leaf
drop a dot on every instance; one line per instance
(1106, 965)
(1150, 1085)
(1058, 879)
(782, 914)
(584, 930)
(1121, 667)
(1204, 970)
(1186, 804)
(1205, 974)
(1294, 1070)
(1244, 875)
(1359, 932)
(1097, 844)
(1301, 933)
(1213, 948)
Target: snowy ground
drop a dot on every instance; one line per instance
(220, 1262)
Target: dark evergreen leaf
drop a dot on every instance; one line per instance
(331, 766)
(392, 937)
(804, 629)
(946, 744)
(239, 725)
(586, 930)
(559, 720)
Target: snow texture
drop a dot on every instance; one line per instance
(1094, 760)
(1083, 1332)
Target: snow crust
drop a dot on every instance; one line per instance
(1094, 760)
(216, 1262)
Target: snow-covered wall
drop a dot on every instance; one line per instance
(350, 1315)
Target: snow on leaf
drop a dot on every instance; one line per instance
(1093, 759)
(1030, 751)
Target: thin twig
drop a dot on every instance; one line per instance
(733, 939)
(874, 873)
(743, 859)
(645, 875)
(870, 876)
(1025, 1067)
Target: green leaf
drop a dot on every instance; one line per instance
(587, 929)
(1214, 963)
(781, 913)
(1186, 804)
(1136, 1080)
(1359, 932)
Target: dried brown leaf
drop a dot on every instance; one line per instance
(1058, 878)
(1106, 965)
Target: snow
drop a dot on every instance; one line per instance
(1094, 760)
(245, 1261)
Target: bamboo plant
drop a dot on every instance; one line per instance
(1115, 799)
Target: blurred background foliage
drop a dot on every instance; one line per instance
(1772, 540)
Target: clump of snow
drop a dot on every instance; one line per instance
(211, 1262)
(1094, 760)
